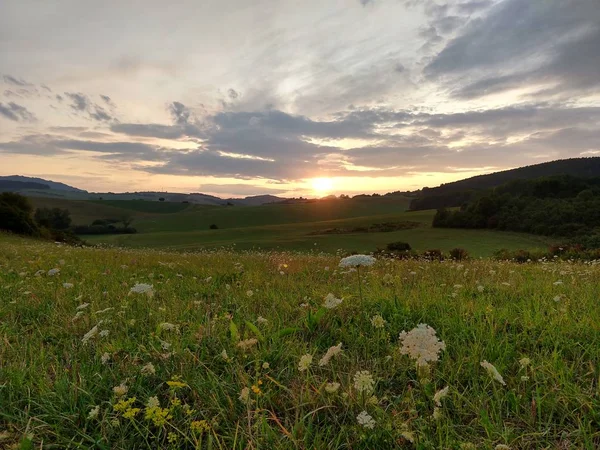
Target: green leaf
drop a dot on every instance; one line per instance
(255, 330)
(233, 331)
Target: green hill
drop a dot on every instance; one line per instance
(459, 192)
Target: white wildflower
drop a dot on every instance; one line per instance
(363, 381)
(224, 355)
(261, 320)
(82, 307)
(90, 334)
(94, 412)
(148, 369)
(365, 420)
(68, 285)
(142, 288)
(331, 302)
(245, 395)
(105, 358)
(249, 293)
(377, 321)
(331, 388)
(121, 390)
(524, 378)
(77, 316)
(166, 326)
(266, 365)
(153, 402)
(421, 344)
(104, 333)
(333, 351)
(247, 344)
(53, 272)
(493, 372)
(439, 395)
(480, 288)
(557, 283)
(357, 260)
(501, 447)
(305, 362)
(524, 362)
(437, 413)
(105, 310)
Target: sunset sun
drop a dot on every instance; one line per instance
(322, 186)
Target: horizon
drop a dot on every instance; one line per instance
(288, 99)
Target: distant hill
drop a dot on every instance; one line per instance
(38, 187)
(459, 192)
(12, 186)
(40, 181)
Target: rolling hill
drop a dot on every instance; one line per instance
(458, 192)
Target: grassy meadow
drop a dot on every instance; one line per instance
(285, 227)
(236, 350)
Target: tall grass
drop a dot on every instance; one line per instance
(182, 346)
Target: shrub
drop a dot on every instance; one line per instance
(459, 254)
(398, 247)
(15, 214)
(213, 227)
(433, 255)
(54, 219)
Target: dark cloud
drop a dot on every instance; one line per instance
(80, 101)
(521, 43)
(240, 189)
(149, 130)
(16, 82)
(16, 113)
(180, 113)
(82, 104)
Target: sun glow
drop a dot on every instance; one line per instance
(322, 186)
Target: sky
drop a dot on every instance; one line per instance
(289, 97)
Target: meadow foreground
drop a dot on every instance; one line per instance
(124, 349)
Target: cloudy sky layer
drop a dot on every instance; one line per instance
(237, 98)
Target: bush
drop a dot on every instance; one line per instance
(459, 254)
(54, 219)
(213, 227)
(433, 255)
(398, 247)
(15, 214)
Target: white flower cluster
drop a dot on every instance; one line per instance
(333, 351)
(332, 302)
(142, 288)
(365, 420)
(357, 261)
(305, 362)
(421, 344)
(363, 381)
(493, 372)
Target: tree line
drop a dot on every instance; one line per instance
(561, 206)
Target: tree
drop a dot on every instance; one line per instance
(213, 226)
(126, 219)
(162, 199)
(15, 214)
(53, 219)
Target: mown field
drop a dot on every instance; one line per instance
(236, 350)
(292, 227)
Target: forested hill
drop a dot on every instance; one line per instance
(561, 206)
(459, 192)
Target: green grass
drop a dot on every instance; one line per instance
(145, 206)
(297, 236)
(50, 380)
(283, 226)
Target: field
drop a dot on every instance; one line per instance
(184, 227)
(236, 350)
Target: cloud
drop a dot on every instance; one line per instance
(82, 104)
(16, 113)
(240, 189)
(553, 47)
(16, 82)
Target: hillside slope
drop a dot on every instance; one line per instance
(459, 192)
